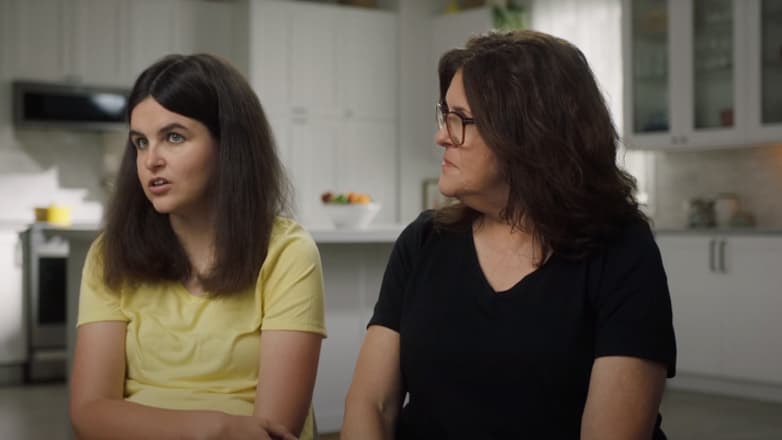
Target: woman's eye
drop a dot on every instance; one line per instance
(140, 143)
(175, 138)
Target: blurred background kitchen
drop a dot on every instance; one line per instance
(695, 88)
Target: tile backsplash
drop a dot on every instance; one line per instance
(753, 174)
(40, 167)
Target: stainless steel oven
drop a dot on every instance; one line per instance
(45, 287)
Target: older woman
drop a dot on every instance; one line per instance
(537, 306)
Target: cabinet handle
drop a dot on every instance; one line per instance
(683, 139)
(722, 256)
(712, 265)
(674, 140)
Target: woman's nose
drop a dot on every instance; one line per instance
(442, 138)
(153, 158)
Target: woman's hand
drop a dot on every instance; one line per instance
(230, 427)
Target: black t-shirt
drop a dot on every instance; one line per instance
(477, 364)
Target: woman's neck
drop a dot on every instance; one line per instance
(507, 238)
(197, 236)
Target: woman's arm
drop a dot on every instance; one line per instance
(623, 400)
(288, 366)
(99, 411)
(375, 396)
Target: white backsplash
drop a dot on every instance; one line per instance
(753, 174)
(41, 167)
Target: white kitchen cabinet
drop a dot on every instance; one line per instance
(366, 65)
(367, 155)
(41, 47)
(5, 39)
(752, 303)
(687, 82)
(203, 26)
(98, 36)
(150, 33)
(326, 77)
(726, 292)
(162, 27)
(312, 160)
(79, 41)
(764, 70)
(269, 33)
(13, 337)
(696, 299)
(313, 59)
(109, 42)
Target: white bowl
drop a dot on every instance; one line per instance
(351, 216)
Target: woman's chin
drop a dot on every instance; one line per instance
(161, 208)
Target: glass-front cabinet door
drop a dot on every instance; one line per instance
(765, 67)
(647, 72)
(685, 77)
(715, 102)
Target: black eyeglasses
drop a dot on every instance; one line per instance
(453, 121)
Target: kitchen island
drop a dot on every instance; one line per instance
(353, 266)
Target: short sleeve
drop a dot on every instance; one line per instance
(291, 283)
(633, 304)
(388, 308)
(96, 301)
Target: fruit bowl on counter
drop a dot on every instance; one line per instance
(350, 210)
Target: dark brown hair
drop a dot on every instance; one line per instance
(250, 186)
(538, 108)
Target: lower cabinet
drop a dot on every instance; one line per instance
(726, 292)
(352, 273)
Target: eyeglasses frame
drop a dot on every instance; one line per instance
(441, 115)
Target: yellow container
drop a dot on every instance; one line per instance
(59, 215)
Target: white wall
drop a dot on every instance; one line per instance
(417, 95)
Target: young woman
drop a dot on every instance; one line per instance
(537, 306)
(201, 307)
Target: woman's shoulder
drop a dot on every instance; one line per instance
(630, 242)
(287, 232)
(419, 230)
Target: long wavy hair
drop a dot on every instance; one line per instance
(138, 243)
(538, 108)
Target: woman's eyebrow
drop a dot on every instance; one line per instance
(163, 130)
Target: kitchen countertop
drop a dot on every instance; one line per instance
(718, 231)
(373, 234)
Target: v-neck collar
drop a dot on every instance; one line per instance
(488, 289)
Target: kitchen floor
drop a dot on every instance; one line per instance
(39, 413)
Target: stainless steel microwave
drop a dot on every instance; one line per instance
(67, 106)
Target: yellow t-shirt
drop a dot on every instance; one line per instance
(197, 353)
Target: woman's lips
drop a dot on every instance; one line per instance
(159, 186)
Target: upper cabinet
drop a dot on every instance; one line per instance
(151, 33)
(39, 45)
(98, 41)
(765, 70)
(694, 74)
(108, 42)
(327, 78)
(203, 26)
